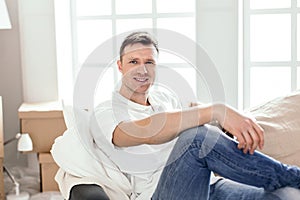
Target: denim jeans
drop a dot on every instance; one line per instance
(205, 149)
(226, 189)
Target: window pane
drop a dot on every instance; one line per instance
(185, 26)
(124, 25)
(105, 86)
(265, 4)
(188, 73)
(169, 57)
(184, 86)
(298, 35)
(93, 7)
(270, 37)
(169, 6)
(133, 6)
(91, 33)
(267, 83)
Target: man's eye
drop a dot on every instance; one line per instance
(150, 63)
(133, 62)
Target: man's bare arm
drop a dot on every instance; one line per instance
(163, 127)
(159, 128)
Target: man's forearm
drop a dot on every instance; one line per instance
(161, 127)
(177, 122)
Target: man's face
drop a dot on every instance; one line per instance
(138, 67)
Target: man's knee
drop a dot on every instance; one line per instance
(199, 134)
(87, 192)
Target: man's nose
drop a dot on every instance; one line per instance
(142, 69)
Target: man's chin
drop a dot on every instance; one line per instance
(143, 89)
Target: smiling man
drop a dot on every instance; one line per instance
(167, 153)
(137, 65)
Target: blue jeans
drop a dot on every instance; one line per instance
(205, 149)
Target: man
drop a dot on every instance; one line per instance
(172, 153)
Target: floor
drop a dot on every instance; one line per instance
(29, 181)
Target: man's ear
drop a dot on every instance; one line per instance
(119, 63)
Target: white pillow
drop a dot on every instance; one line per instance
(280, 119)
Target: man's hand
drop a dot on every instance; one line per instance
(248, 133)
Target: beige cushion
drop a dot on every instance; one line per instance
(280, 119)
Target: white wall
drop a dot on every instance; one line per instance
(27, 65)
(218, 34)
(37, 38)
(11, 84)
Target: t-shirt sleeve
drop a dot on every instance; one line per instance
(103, 125)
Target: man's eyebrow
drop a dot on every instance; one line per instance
(150, 59)
(135, 58)
(132, 58)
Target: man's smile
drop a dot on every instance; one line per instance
(141, 79)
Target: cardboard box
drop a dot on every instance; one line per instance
(2, 195)
(44, 122)
(48, 169)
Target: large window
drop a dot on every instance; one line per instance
(271, 49)
(94, 21)
(211, 24)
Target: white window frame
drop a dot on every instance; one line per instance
(247, 63)
(154, 16)
(210, 19)
(114, 17)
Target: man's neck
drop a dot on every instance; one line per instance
(140, 98)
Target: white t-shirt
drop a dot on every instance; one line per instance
(137, 162)
(140, 162)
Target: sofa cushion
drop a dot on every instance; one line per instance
(280, 119)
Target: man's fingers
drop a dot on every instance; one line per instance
(243, 140)
(255, 140)
(249, 141)
(260, 132)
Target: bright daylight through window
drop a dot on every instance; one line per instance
(94, 22)
(272, 49)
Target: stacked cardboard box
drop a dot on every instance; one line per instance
(48, 171)
(44, 122)
(2, 195)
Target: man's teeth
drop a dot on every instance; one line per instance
(141, 79)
